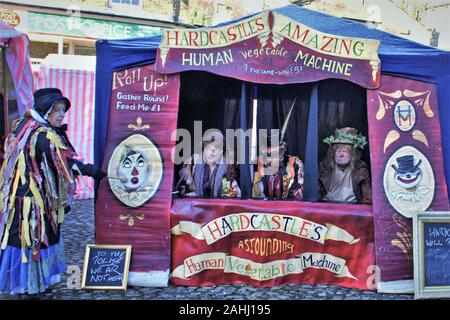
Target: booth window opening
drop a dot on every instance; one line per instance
(278, 127)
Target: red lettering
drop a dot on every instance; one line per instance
(192, 39)
(305, 223)
(169, 38)
(347, 48)
(259, 24)
(326, 44)
(276, 220)
(241, 217)
(231, 34)
(296, 34)
(217, 229)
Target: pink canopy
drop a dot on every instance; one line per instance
(18, 59)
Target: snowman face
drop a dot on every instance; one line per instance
(408, 180)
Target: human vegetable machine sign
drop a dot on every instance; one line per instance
(262, 243)
(270, 48)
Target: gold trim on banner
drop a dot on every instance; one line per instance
(138, 126)
(131, 218)
(404, 240)
(421, 99)
(386, 102)
(420, 136)
(390, 139)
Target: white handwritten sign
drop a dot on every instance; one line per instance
(106, 267)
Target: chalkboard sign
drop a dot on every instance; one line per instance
(106, 267)
(432, 255)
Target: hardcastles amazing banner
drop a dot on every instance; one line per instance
(133, 202)
(265, 243)
(270, 48)
(407, 167)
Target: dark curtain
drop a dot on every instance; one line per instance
(342, 104)
(274, 103)
(212, 99)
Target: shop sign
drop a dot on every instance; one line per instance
(10, 17)
(84, 27)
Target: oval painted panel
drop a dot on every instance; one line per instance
(135, 170)
(408, 181)
(404, 115)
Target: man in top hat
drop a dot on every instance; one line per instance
(209, 176)
(343, 176)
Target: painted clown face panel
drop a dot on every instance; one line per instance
(135, 170)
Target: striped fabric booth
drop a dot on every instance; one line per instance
(75, 76)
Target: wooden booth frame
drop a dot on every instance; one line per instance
(421, 290)
(127, 249)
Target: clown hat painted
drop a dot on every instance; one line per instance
(406, 164)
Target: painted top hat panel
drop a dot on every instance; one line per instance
(406, 164)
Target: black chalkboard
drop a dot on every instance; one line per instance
(106, 267)
(436, 241)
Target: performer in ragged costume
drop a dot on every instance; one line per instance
(37, 188)
(279, 176)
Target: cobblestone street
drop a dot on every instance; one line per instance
(79, 230)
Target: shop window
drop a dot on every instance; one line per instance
(84, 50)
(41, 50)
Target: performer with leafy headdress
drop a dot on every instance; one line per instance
(37, 187)
(343, 176)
